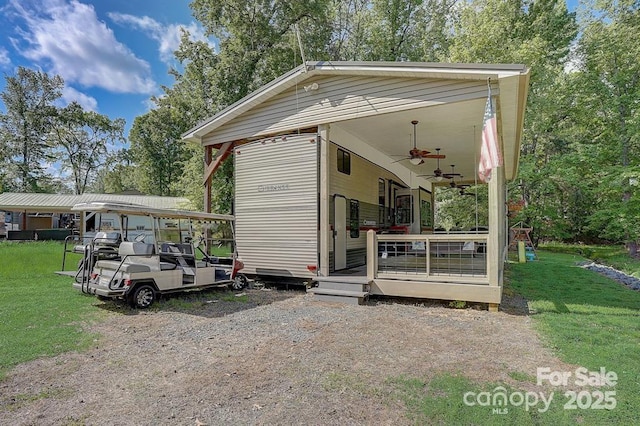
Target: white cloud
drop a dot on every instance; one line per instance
(69, 94)
(79, 47)
(4, 56)
(167, 36)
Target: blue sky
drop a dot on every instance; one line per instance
(113, 54)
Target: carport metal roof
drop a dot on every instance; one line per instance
(62, 203)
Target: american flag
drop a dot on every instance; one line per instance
(490, 156)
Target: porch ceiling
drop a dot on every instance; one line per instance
(454, 127)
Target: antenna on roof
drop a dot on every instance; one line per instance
(304, 61)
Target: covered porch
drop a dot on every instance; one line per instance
(365, 111)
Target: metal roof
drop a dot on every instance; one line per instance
(380, 68)
(38, 202)
(385, 98)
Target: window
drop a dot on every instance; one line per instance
(425, 214)
(382, 201)
(404, 210)
(344, 162)
(354, 219)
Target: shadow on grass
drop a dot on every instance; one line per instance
(210, 303)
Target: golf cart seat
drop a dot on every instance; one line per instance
(180, 254)
(136, 257)
(105, 245)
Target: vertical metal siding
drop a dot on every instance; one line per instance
(276, 205)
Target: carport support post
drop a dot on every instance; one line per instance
(208, 157)
(324, 228)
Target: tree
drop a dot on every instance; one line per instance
(157, 151)
(83, 139)
(392, 29)
(608, 89)
(257, 39)
(29, 99)
(539, 34)
(117, 176)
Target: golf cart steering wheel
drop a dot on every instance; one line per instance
(139, 238)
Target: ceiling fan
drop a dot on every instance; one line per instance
(437, 173)
(453, 173)
(417, 156)
(453, 183)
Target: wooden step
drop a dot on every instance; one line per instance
(338, 295)
(342, 279)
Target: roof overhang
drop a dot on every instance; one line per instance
(454, 126)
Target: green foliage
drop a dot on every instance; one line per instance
(28, 98)
(462, 209)
(82, 137)
(40, 314)
(34, 131)
(457, 304)
(257, 42)
(580, 148)
(157, 150)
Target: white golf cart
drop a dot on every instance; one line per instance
(155, 253)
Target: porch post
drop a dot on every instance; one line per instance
(325, 236)
(496, 229)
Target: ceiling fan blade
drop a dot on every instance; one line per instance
(438, 156)
(402, 159)
(450, 175)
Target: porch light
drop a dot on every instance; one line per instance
(416, 161)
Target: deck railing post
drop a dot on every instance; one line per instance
(372, 255)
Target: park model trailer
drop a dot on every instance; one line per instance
(315, 147)
(160, 257)
(277, 211)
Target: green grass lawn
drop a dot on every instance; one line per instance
(40, 313)
(587, 320)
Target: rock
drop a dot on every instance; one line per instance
(619, 276)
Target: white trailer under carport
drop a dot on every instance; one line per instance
(276, 206)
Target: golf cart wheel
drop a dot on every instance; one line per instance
(143, 296)
(239, 282)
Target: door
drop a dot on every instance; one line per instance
(340, 233)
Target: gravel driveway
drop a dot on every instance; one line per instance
(278, 358)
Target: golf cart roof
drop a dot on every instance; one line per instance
(137, 209)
